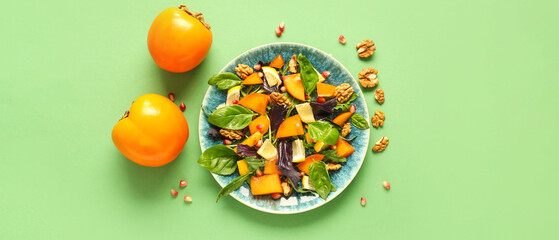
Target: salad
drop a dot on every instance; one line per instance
(284, 129)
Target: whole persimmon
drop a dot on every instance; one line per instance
(152, 133)
(178, 39)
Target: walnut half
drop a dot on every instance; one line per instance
(366, 48)
(279, 99)
(379, 95)
(232, 134)
(243, 70)
(343, 92)
(368, 77)
(381, 145)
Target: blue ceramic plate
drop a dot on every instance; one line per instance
(297, 202)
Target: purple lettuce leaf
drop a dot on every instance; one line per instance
(285, 160)
(277, 115)
(247, 151)
(323, 110)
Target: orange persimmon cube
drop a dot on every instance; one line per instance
(294, 86)
(341, 119)
(277, 62)
(344, 148)
(325, 90)
(259, 124)
(270, 167)
(292, 126)
(256, 102)
(266, 184)
(242, 166)
(252, 80)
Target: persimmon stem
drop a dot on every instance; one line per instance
(196, 15)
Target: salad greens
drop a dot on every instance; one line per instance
(253, 153)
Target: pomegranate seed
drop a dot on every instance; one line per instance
(259, 143)
(282, 89)
(342, 39)
(306, 97)
(260, 74)
(363, 201)
(302, 173)
(227, 142)
(321, 100)
(282, 26)
(172, 97)
(333, 147)
(326, 74)
(235, 102)
(386, 184)
(352, 108)
(257, 67)
(278, 32)
(259, 173)
(276, 196)
(174, 192)
(183, 183)
(259, 126)
(187, 199)
(183, 107)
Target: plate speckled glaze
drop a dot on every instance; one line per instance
(297, 202)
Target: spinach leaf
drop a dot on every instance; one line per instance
(233, 185)
(219, 159)
(254, 163)
(320, 179)
(330, 155)
(359, 121)
(323, 131)
(223, 76)
(309, 77)
(231, 117)
(227, 83)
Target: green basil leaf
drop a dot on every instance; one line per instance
(223, 76)
(320, 179)
(227, 83)
(233, 185)
(219, 159)
(330, 155)
(323, 131)
(359, 121)
(233, 117)
(254, 163)
(309, 77)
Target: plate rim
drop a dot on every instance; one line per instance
(339, 191)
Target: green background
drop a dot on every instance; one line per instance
(471, 105)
